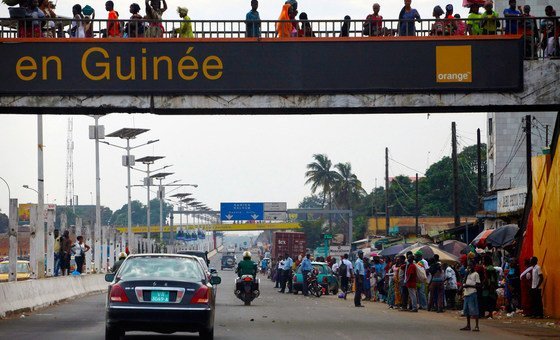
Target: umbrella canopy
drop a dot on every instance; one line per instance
(480, 240)
(502, 236)
(454, 247)
(429, 250)
(394, 249)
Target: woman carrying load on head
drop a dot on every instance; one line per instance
(284, 26)
(154, 13)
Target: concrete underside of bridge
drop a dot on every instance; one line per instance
(541, 92)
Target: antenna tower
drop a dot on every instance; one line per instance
(70, 164)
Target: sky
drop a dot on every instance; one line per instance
(231, 158)
(268, 9)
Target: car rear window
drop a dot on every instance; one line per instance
(153, 267)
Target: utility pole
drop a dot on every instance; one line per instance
(528, 153)
(455, 174)
(40, 232)
(387, 221)
(479, 168)
(417, 207)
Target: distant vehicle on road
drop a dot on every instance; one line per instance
(325, 277)
(199, 253)
(164, 293)
(23, 270)
(228, 261)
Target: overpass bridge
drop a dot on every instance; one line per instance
(221, 71)
(216, 227)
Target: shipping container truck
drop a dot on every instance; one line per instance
(293, 243)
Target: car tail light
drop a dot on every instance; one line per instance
(201, 296)
(118, 294)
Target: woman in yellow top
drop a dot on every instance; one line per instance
(284, 29)
(185, 31)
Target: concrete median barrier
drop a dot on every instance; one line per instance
(16, 297)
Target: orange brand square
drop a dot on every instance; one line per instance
(453, 64)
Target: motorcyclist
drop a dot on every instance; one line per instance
(246, 266)
(117, 265)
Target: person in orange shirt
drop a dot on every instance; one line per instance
(113, 24)
(284, 26)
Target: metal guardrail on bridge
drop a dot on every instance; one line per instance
(533, 30)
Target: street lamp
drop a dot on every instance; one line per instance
(149, 160)
(128, 134)
(161, 194)
(28, 187)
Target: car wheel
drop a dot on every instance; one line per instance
(113, 333)
(207, 334)
(295, 291)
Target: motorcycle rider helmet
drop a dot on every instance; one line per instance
(247, 255)
(122, 255)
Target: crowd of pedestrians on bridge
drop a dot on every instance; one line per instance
(481, 284)
(38, 21)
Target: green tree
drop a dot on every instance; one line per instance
(311, 202)
(320, 175)
(312, 231)
(4, 223)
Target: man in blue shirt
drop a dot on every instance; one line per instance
(253, 21)
(287, 273)
(306, 268)
(512, 15)
(359, 271)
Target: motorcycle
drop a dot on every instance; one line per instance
(247, 289)
(313, 286)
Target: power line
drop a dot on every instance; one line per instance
(406, 166)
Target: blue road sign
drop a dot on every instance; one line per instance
(241, 211)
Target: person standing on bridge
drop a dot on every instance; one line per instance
(65, 249)
(407, 16)
(473, 22)
(284, 26)
(490, 19)
(185, 30)
(113, 25)
(253, 21)
(154, 13)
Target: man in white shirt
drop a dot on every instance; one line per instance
(470, 304)
(536, 281)
(450, 285)
(345, 275)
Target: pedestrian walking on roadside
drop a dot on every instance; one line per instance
(450, 285)
(306, 268)
(470, 299)
(286, 274)
(56, 249)
(536, 296)
(65, 253)
(410, 279)
(421, 286)
(79, 250)
(359, 271)
(345, 271)
(278, 271)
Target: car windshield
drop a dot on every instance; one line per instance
(320, 269)
(161, 267)
(5, 268)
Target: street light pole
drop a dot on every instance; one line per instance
(40, 232)
(97, 226)
(130, 236)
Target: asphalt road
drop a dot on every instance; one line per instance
(271, 316)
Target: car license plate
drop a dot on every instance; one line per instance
(160, 296)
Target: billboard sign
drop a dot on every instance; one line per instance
(268, 66)
(511, 200)
(241, 211)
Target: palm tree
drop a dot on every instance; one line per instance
(348, 189)
(320, 175)
(347, 186)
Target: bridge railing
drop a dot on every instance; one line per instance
(535, 31)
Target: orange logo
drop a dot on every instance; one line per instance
(453, 64)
